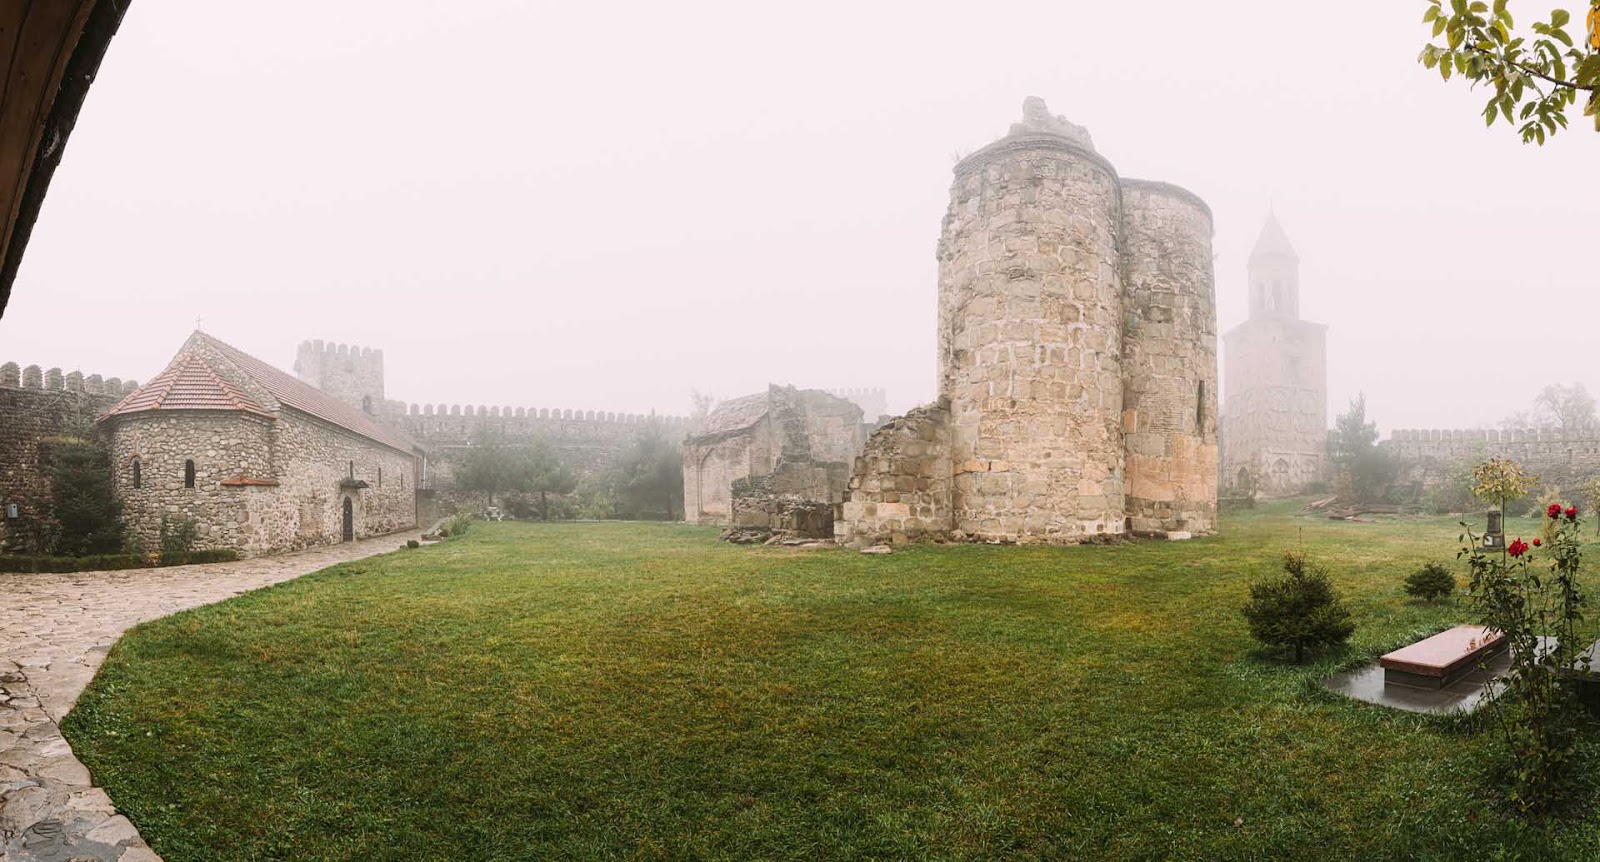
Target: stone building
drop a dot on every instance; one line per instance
(776, 460)
(1077, 358)
(260, 461)
(1276, 410)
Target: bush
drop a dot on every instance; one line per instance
(84, 503)
(1298, 609)
(1431, 582)
(413, 543)
(178, 535)
(456, 525)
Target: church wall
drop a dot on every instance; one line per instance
(1169, 360)
(313, 457)
(223, 445)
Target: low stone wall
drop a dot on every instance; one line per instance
(901, 483)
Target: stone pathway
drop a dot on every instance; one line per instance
(54, 632)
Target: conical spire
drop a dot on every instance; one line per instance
(1273, 242)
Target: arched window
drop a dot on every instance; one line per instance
(188, 474)
(352, 469)
(1200, 409)
(138, 474)
(366, 404)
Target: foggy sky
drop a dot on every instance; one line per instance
(602, 206)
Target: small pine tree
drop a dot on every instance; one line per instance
(84, 499)
(1298, 609)
(1431, 583)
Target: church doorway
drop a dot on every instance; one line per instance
(349, 533)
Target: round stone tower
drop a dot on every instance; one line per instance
(1030, 336)
(1169, 360)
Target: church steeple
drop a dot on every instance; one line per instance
(1274, 273)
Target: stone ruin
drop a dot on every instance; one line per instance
(772, 465)
(1077, 359)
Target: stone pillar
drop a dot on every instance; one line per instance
(1169, 360)
(1030, 345)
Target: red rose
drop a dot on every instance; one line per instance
(1517, 548)
(1554, 511)
(1572, 513)
(1537, 543)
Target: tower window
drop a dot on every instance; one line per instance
(138, 474)
(188, 473)
(380, 477)
(366, 404)
(1200, 409)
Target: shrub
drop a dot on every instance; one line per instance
(111, 562)
(178, 535)
(413, 543)
(456, 525)
(84, 504)
(1298, 609)
(1431, 582)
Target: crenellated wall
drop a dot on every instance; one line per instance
(1557, 458)
(35, 406)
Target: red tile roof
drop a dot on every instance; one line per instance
(207, 390)
(187, 384)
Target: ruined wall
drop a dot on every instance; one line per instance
(1030, 336)
(872, 401)
(31, 414)
(760, 460)
(900, 485)
(1169, 360)
(711, 465)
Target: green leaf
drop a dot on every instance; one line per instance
(1560, 17)
(1562, 35)
(1432, 13)
(1438, 27)
(1488, 115)
(1478, 6)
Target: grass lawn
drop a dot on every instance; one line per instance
(637, 691)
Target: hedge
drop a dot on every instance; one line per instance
(108, 562)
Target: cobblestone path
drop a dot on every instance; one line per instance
(54, 632)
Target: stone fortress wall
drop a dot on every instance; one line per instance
(1557, 458)
(37, 405)
(587, 441)
(1076, 329)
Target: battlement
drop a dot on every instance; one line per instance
(349, 372)
(32, 377)
(407, 413)
(1421, 438)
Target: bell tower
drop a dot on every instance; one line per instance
(1274, 273)
(1275, 374)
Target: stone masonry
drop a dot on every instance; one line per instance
(30, 416)
(1077, 358)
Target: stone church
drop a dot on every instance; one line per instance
(259, 460)
(1275, 426)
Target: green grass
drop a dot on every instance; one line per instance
(637, 691)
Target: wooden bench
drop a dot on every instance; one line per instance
(1436, 662)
